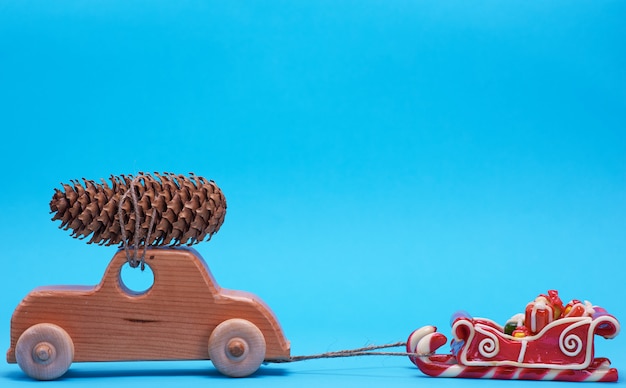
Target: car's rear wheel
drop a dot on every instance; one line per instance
(44, 351)
(237, 348)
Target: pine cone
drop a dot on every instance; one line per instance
(180, 209)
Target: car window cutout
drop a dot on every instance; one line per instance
(135, 281)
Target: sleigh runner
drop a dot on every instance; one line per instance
(562, 350)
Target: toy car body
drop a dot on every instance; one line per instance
(184, 315)
(563, 350)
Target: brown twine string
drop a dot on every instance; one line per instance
(132, 259)
(365, 351)
(134, 263)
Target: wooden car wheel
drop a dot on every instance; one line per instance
(44, 351)
(237, 348)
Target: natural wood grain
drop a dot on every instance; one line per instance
(237, 348)
(44, 351)
(172, 320)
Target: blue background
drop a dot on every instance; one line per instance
(385, 162)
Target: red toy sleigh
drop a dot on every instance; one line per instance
(562, 350)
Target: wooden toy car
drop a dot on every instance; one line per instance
(184, 315)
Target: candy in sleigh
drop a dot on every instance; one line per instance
(549, 342)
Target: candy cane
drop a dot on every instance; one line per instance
(445, 366)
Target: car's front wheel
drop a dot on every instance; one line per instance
(44, 351)
(237, 348)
